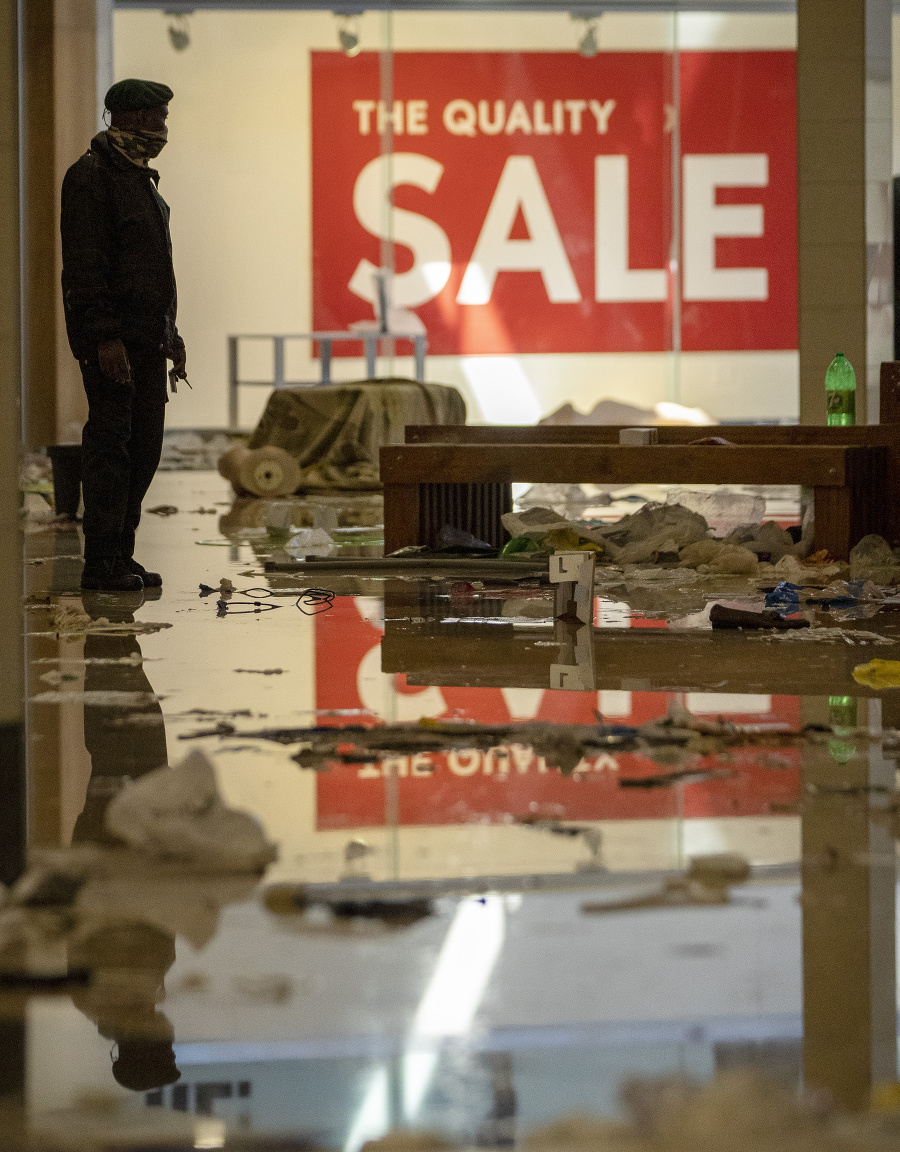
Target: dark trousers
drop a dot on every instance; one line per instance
(120, 449)
(119, 751)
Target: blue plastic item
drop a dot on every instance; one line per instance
(783, 595)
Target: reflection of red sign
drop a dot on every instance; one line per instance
(532, 198)
(472, 786)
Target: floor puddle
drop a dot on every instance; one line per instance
(527, 870)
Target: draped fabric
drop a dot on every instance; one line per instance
(336, 430)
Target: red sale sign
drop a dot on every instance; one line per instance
(529, 198)
(511, 781)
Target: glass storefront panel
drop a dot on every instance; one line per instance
(567, 227)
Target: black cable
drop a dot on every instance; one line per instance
(315, 600)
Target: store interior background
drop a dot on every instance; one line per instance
(237, 173)
(238, 176)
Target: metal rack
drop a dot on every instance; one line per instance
(325, 340)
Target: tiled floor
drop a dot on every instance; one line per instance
(507, 1006)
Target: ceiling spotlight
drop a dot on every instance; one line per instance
(179, 31)
(589, 44)
(348, 35)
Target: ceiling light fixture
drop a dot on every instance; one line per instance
(348, 34)
(179, 29)
(589, 44)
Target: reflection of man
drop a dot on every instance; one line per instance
(499, 1127)
(120, 300)
(122, 743)
(128, 961)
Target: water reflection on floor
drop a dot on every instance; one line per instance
(499, 1011)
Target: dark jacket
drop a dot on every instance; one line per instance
(117, 278)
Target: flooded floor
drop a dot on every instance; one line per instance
(475, 940)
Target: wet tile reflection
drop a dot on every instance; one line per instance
(463, 938)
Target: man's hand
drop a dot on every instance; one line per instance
(179, 363)
(114, 361)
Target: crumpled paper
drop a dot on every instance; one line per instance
(178, 813)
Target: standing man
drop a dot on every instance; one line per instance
(119, 296)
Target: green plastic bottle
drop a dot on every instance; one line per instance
(840, 392)
(842, 714)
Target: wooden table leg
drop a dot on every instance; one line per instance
(832, 510)
(401, 516)
(891, 503)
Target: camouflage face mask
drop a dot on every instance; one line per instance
(138, 147)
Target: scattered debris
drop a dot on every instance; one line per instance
(108, 698)
(234, 714)
(829, 635)
(178, 813)
(700, 552)
(223, 728)
(872, 552)
(53, 879)
(722, 617)
(310, 542)
(653, 530)
(799, 572)
(36, 474)
(132, 660)
(722, 510)
(878, 674)
(136, 720)
(163, 510)
(682, 776)
(708, 880)
(840, 593)
(66, 618)
(739, 1108)
(537, 523)
(562, 746)
(33, 601)
(565, 499)
(56, 677)
(69, 621)
(676, 533)
(37, 507)
(291, 899)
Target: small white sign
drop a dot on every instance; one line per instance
(566, 567)
(570, 677)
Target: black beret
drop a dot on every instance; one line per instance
(137, 95)
(145, 1064)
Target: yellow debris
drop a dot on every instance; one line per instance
(878, 674)
(565, 540)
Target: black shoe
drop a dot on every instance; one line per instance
(110, 576)
(117, 607)
(150, 579)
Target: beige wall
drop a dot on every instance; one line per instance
(10, 382)
(237, 177)
(76, 67)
